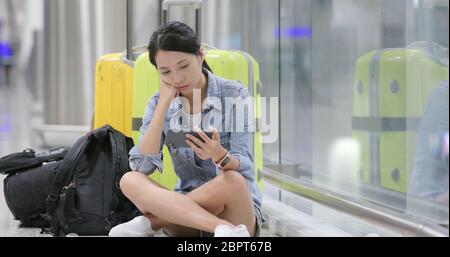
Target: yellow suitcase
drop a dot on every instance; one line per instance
(114, 79)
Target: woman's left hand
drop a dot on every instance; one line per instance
(210, 148)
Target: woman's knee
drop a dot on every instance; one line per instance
(130, 180)
(233, 179)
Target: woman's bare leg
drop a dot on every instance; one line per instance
(223, 200)
(174, 207)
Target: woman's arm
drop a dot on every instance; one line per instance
(150, 144)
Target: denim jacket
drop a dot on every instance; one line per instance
(429, 177)
(193, 172)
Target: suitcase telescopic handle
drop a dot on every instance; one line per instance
(131, 52)
(196, 4)
(129, 25)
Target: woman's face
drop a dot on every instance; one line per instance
(180, 70)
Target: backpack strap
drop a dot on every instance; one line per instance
(66, 170)
(120, 163)
(122, 151)
(59, 221)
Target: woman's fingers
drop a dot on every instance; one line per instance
(215, 133)
(197, 141)
(202, 135)
(196, 149)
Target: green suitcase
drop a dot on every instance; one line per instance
(390, 92)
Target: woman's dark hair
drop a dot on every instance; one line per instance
(174, 36)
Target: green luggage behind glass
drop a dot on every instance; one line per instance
(390, 92)
(232, 65)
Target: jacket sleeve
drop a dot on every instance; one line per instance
(147, 164)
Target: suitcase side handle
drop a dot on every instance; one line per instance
(196, 4)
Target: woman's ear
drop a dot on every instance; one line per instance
(202, 55)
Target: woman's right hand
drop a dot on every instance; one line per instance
(167, 92)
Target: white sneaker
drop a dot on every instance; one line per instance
(228, 231)
(137, 227)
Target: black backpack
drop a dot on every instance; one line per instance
(86, 198)
(28, 184)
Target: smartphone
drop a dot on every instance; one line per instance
(178, 139)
